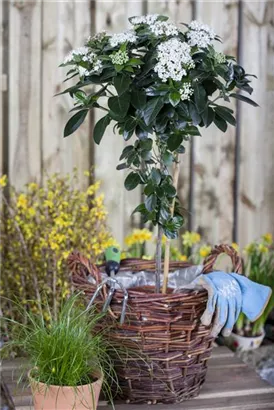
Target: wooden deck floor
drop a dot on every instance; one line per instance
(230, 385)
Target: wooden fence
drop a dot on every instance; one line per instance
(224, 192)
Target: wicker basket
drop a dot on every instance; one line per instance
(172, 346)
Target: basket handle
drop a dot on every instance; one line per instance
(218, 250)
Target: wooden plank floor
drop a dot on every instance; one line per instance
(230, 385)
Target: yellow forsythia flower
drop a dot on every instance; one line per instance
(3, 181)
(32, 186)
(235, 246)
(22, 201)
(183, 258)
(204, 251)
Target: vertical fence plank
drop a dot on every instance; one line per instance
(257, 189)
(214, 151)
(24, 92)
(65, 26)
(1, 85)
(120, 204)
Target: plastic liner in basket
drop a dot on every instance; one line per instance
(178, 280)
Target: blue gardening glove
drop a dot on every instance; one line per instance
(228, 295)
(255, 296)
(224, 301)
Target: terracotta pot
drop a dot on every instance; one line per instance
(245, 343)
(83, 397)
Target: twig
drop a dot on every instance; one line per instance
(167, 245)
(21, 236)
(158, 260)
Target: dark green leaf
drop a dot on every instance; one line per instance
(100, 128)
(149, 189)
(160, 192)
(146, 155)
(121, 83)
(140, 208)
(196, 119)
(225, 115)
(178, 222)
(122, 166)
(170, 191)
(174, 98)
(220, 123)
(135, 61)
(127, 135)
(130, 124)
(167, 158)
(132, 180)
(152, 109)
(141, 134)
(174, 141)
(146, 144)
(210, 116)
(192, 130)
(74, 122)
(180, 125)
(156, 176)
(138, 99)
(181, 149)
(120, 105)
(199, 97)
(243, 98)
(161, 123)
(164, 215)
(151, 202)
(126, 152)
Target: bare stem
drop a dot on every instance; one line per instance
(167, 244)
(158, 259)
(25, 248)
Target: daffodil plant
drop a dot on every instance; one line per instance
(259, 267)
(159, 85)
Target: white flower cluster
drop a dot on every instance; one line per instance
(86, 55)
(81, 51)
(200, 34)
(220, 58)
(164, 28)
(148, 19)
(173, 59)
(99, 36)
(186, 91)
(120, 38)
(119, 58)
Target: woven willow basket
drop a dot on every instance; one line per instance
(172, 346)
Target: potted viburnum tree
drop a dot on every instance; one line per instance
(159, 85)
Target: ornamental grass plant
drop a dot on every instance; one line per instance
(40, 226)
(158, 84)
(67, 350)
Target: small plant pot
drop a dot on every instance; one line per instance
(245, 343)
(83, 397)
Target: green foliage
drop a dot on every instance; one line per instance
(67, 350)
(163, 113)
(259, 267)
